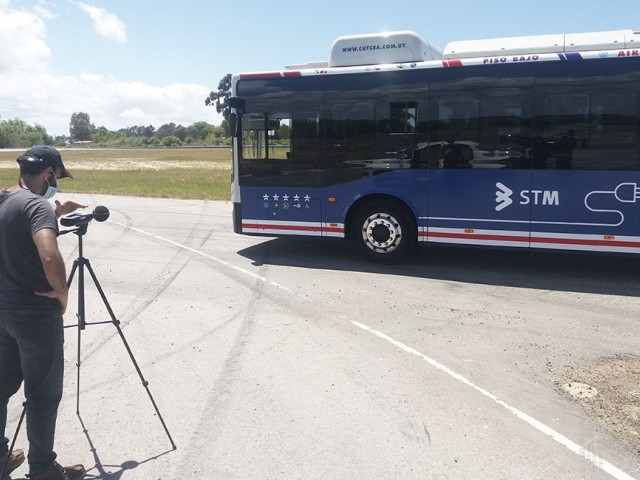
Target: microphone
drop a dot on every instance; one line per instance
(100, 214)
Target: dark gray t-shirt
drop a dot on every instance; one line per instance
(22, 214)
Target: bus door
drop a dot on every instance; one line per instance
(477, 207)
(279, 174)
(482, 142)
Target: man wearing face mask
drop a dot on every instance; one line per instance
(33, 298)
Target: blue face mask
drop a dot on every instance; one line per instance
(51, 190)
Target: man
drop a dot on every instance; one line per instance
(565, 146)
(33, 298)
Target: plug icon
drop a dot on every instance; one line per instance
(627, 192)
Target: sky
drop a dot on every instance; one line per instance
(152, 62)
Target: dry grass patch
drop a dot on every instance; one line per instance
(198, 173)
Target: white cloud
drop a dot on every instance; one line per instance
(106, 24)
(49, 99)
(132, 115)
(32, 92)
(43, 12)
(22, 42)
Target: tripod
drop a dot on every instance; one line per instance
(79, 265)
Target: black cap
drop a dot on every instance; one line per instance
(48, 156)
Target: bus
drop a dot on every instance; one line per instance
(529, 142)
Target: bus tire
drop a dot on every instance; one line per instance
(384, 231)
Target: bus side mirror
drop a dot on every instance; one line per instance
(235, 102)
(232, 120)
(238, 105)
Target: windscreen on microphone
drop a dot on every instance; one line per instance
(100, 213)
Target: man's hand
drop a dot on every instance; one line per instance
(62, 297)
(67, 207)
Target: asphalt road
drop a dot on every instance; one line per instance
(295, 359)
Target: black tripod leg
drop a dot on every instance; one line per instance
(73, 272)
(116, 323)
(78, 366)
(81, 261)
(15, 437)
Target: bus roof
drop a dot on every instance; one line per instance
(385, 51)
(537, 44)
(407, 46)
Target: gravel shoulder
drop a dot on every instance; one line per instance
(609, 390)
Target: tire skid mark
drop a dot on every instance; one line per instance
(105, 248)
(139, 303)
(219, 261)
(108, 381)
(221, 389)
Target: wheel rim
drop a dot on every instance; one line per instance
(382, 232)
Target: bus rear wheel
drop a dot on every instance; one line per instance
(384, 232)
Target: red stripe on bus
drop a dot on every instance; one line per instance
(261, 75)
(301, 228)
(294, 73)
(592, 242)
(452, 63)
(475, 236)
(533, 240)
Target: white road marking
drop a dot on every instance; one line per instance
(602, 464)
(215, 259)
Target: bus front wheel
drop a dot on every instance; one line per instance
(384, 232)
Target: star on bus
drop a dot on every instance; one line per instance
(285, 197)
(296, 198)
(276, 197)
(307, 198)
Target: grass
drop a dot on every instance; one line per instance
(189, 173)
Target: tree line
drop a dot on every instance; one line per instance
(19, 134)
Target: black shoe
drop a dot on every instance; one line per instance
(58, 472)
(11, 461)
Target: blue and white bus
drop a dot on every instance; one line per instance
(517, 142)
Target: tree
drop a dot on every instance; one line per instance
(221, 97)
(199, 130)
(180, 132)
(80, 127)
(165, 130)
(171, 141)
(18, 134)
(224, 125)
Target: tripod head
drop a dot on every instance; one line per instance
(100, 214)
(81, 221)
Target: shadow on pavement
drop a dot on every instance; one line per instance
(563, 271)
(98, 471)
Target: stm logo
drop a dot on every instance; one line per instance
(503, 196)
(534, 197)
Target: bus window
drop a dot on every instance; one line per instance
(353, 124)
(486, 127)
(613, 118)
(564, 112)
(305, 139)
(593, 130)
(294, 137)
(279, 134)
(403, 117)
(254, 138)
(458, 119)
